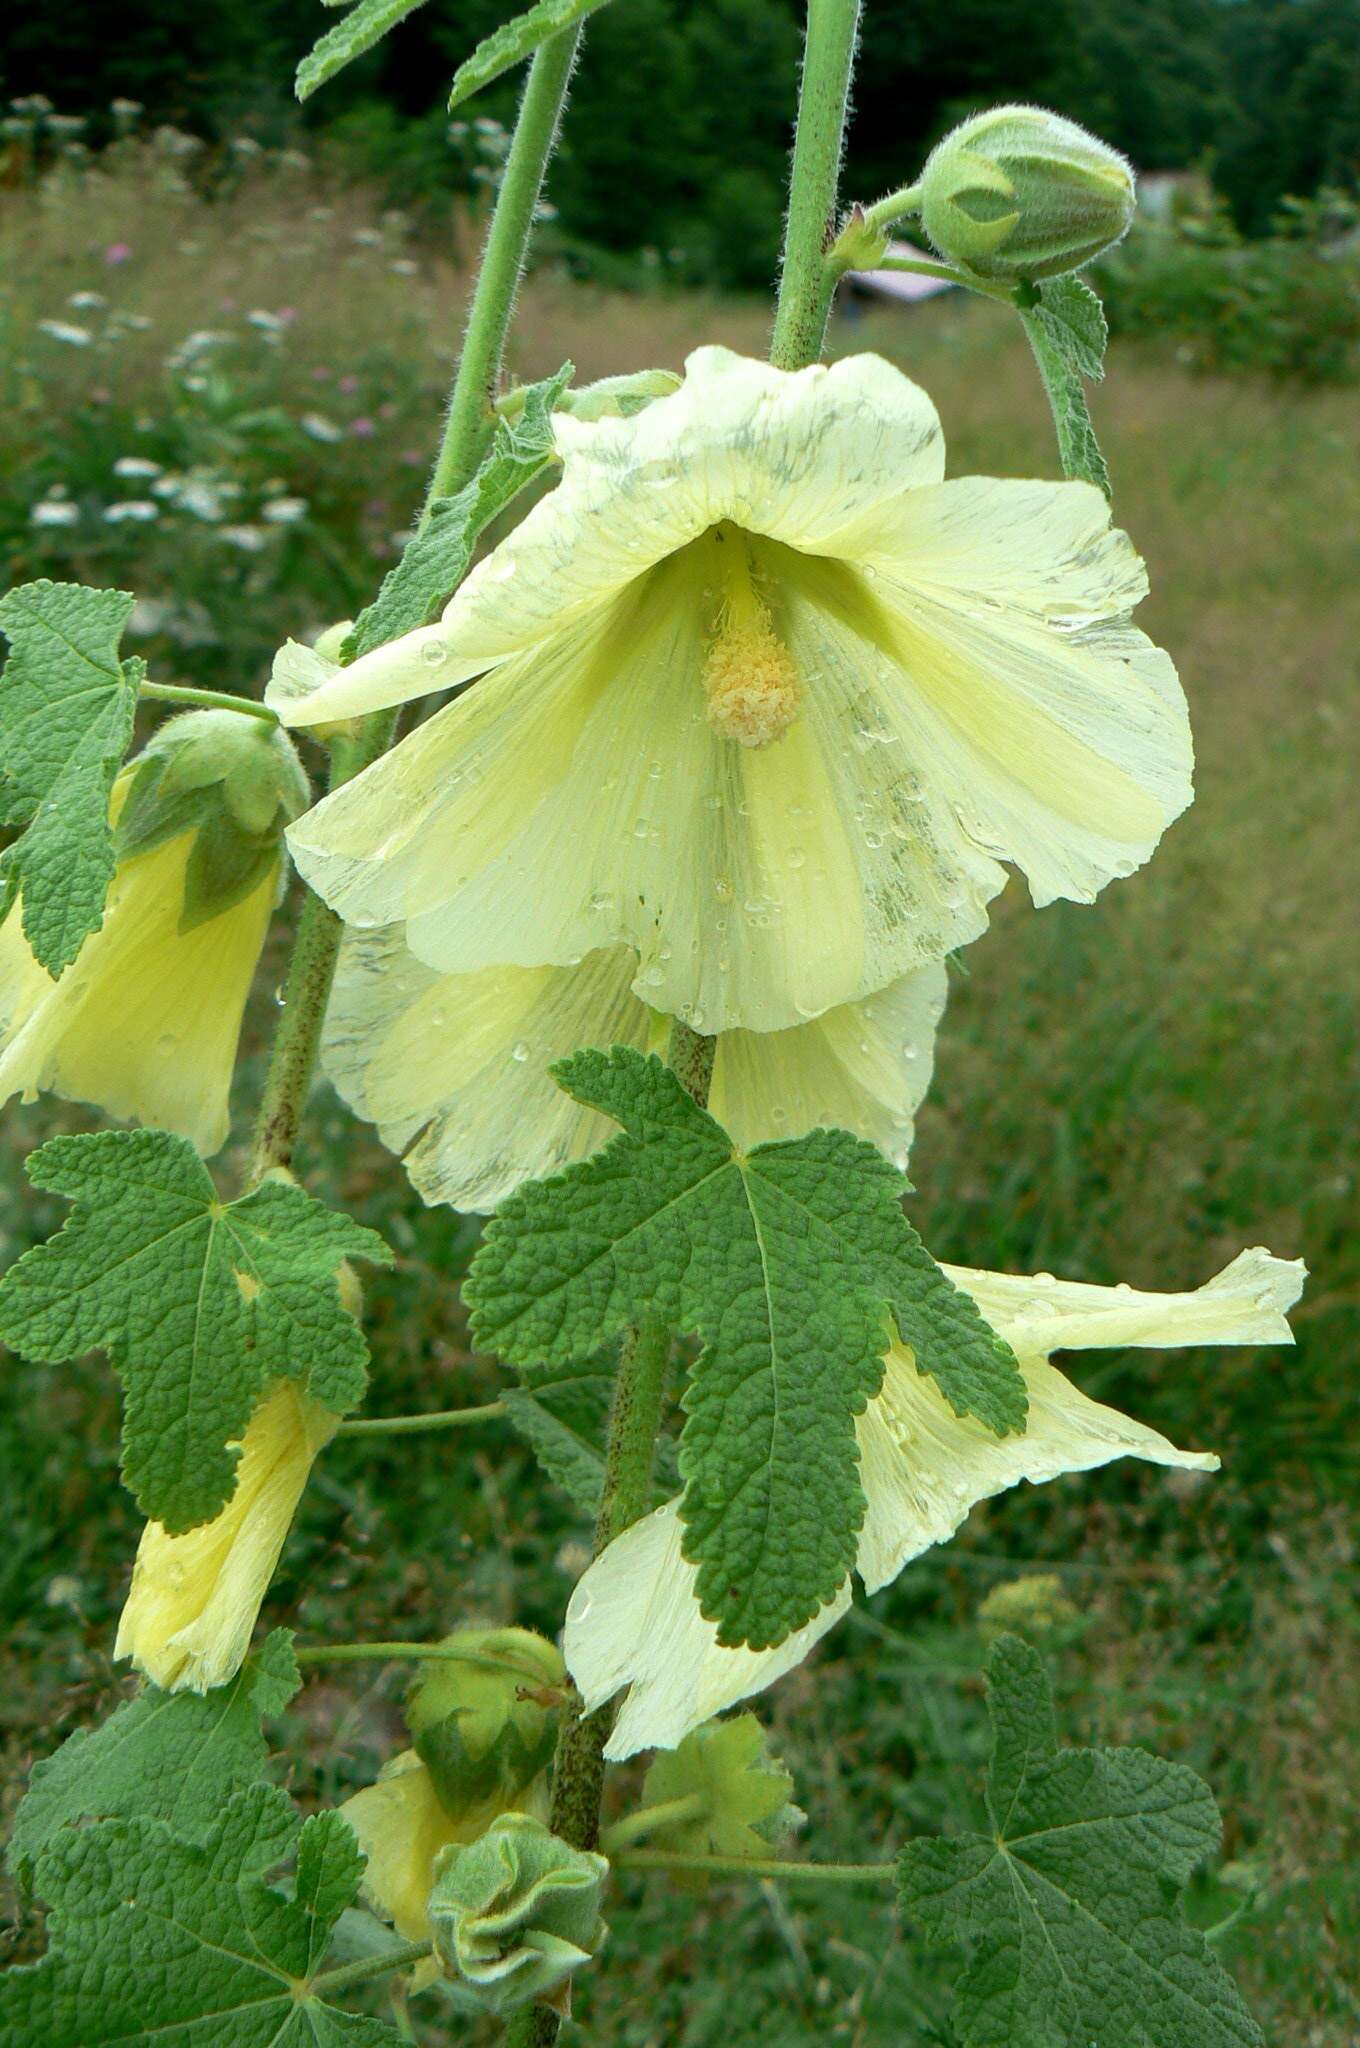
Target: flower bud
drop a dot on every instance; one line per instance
(1021, 193)
(145, 1023)
(479, 1721)
(515, 1913)
(402, 1826)
(233, 783)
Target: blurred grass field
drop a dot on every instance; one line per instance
(1129, 1091)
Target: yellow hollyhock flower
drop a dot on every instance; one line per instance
(402, 1827)
(634, 1621)
(188, 1619)
(754, 661)
(144, 1024)
(453, 1067)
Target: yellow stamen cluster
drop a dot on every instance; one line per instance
(749, 677)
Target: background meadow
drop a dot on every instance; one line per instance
(229, 405)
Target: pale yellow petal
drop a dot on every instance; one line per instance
(401, 1828)
(455, 1066)
(581, 798)
(923, 1468)
(863, 1067)
(634, 1621)
(1060, 733)
(189, 1616)
(145, 1023)
(797, 456)
(1244, 1304)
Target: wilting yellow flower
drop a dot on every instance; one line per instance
(188, 1618)
(144, 1024)
(634, 1621)
(401, 1827)
(769, 702)
(455, 1066)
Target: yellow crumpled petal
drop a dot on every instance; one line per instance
(144, 1024)
(401, 1828)
(191, 1610)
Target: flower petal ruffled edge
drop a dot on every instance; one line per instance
(798, 456)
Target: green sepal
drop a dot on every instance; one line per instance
(747, 1794)
(480, 1728)
(234, 783)
(225, 866)
(515, 1914)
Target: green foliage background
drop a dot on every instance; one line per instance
(682, 108)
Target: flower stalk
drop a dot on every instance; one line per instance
(470, 420)
(806, 280)
(316, 947)
(772, 1866)
(207, 700)
(416, 1425)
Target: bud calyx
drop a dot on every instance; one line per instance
(1020, 193)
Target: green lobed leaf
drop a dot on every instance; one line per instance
(436, 560)
(1067, 333)
(198, 1302)
(360, 29)
(171, 1756)
(1071, 1903)
(67, 704)
(562, 1412)
(789, 1262)
(155, 1942)
(514, 41)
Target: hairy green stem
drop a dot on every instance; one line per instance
(208, 700)
(413, 1425)
(806, 280)
(896, 206)
(737, 1866)
(404, 1652)
(369, 1967)
(470, 418)
(578, 1766)
(292, 1058)
(635, 1827)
